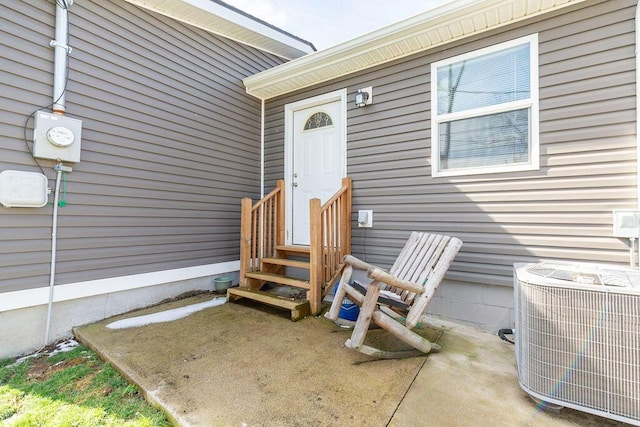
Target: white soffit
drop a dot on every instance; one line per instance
(227, 22)
(444, 24)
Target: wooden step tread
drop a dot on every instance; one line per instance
(294, 249)
(277, 278)
(299, 308)
(288, 262)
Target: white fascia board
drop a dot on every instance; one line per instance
(199, 13)
(248, 23)
(456, 20)
(39, 296)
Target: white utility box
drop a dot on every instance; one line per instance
(20, 189)
(626, 223)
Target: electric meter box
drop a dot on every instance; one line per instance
(57, 137)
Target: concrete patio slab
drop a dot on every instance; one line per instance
(244, 364)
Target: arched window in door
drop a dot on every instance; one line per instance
(318, 120)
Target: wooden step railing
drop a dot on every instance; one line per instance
(330, 240)
(262, 231)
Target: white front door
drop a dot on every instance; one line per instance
(317, 152)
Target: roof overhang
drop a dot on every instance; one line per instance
(436, 27)
(224, 20)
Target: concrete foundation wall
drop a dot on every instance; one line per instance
(487, 307)
(23, 330)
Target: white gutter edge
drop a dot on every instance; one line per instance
(257, 29)
(377, 41)
(246, 22)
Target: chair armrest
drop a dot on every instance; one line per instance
(382, 276)
(356, 263)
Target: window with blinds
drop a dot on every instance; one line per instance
(485, 110)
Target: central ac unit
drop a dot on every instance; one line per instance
(578, 337)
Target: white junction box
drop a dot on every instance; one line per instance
(57, 137)
(19, 189)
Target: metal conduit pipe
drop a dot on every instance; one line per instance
(62, 49)
(54, 234)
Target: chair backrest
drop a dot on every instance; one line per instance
(424, 260)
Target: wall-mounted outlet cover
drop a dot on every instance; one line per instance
(365, 218)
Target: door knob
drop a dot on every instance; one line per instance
(295, 184)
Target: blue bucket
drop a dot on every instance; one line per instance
(348, 310)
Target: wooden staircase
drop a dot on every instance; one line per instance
(265, 259)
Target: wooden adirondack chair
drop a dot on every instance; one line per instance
(397, 300)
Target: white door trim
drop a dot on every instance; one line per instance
(289, 109)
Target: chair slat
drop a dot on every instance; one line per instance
(434, 256)
(413, 261)
(416, 259)
(424, 256)
(404, 254)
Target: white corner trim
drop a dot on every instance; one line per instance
(39, 296)
(262, 148)
(637, 53)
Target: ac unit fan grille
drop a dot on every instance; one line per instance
(580, 348)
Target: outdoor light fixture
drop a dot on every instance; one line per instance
(364, 97)
(361, 98)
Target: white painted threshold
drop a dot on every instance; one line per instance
(70, 291)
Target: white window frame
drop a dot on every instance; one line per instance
(531, 103)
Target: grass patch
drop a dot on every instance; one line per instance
(72, 388)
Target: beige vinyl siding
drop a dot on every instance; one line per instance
(560, 212)
(170, 143)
